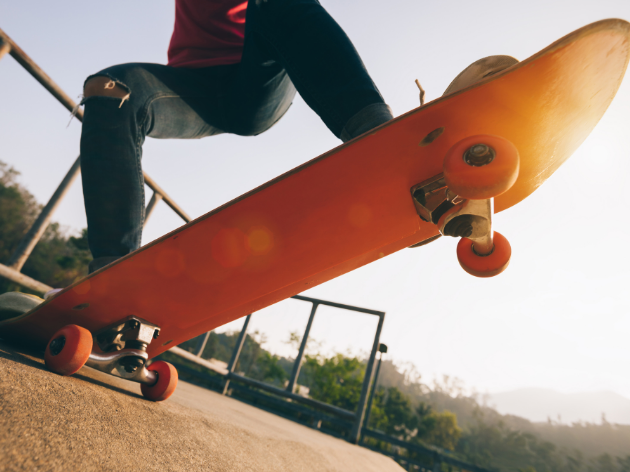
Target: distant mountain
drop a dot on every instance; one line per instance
(538, 404)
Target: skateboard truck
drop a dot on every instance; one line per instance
(471, 219)
(431, 198)
(454, 215)
(460, 201)
(124, 347)
(124, 354)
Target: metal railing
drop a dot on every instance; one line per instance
(436, 455)
(357, 417)
(12, 271)
(423, 457)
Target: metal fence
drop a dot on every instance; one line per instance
(356, 417)
(358, 432)
(424, 458)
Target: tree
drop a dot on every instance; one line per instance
(401, 421)
(575, 462)
(267, 368)
(443, 430)
(336, 380)
(58, 259)
(624, 464)
(604, 462)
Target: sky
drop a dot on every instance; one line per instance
(558, 318)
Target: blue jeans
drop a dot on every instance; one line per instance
(289, 45)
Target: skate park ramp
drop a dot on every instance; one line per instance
(92, 421)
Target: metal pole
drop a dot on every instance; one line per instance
(32, 68)
(201, 345)
(374, 384)
(297, 365)
(155, 199)
(29, 64)
(30, 239)
(236, 352)
(168, 200)
(355, 434)
(23, 280)
(7, 46)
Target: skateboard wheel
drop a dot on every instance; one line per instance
(488, 265)
(166, 382)
(481, 167)
(68, 350)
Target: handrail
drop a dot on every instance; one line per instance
(36, 231)
(31, 238)
(168, 200)
(23, 280)
(25, 61)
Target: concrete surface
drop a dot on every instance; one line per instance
(92, 421)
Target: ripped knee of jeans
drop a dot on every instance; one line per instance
(105, 86)
(101, 85)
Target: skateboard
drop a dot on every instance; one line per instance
(442, 169)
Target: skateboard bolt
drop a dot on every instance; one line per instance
(479, 155)
(464, 231)
(132, 363)
(459, 227)
(57, 344)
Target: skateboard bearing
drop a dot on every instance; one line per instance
(479, 155)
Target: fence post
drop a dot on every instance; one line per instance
(155, 199)
(201, 345)
(30, 239)
(382, 349)
(355, 434)
(297, 365)
(236, 352)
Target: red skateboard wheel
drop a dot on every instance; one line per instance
(68, 350)
(488, 265)
(166, 382)
(481, 167)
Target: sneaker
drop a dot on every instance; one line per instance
(479, 70)
(14, 304)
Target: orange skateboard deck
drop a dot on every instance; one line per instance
(348, 207)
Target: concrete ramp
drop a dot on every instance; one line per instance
(92, 421)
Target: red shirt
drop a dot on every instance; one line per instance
(207, 33)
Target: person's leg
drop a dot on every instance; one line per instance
(123, 105)
(296, 43)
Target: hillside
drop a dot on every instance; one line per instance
(538, 404)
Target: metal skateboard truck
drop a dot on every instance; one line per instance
(476, 169)
(123, 347)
